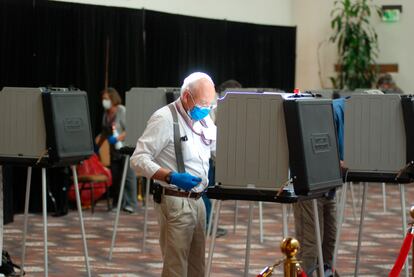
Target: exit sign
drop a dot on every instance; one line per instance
(391, 13)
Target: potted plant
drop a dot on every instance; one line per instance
(357, 43)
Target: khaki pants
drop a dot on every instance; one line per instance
(305, 231)
(182, 235)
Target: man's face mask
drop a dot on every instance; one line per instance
(198, 112)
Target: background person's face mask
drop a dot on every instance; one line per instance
(198, 112)
(106, 104)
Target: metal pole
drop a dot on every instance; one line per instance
(261, 222)
(248, 241)
(118, 207)
(210, 218)
(44, 206)
(236, 214)
(78, 204)
(318, 236)
(339, 225)
(147, 189)
(384, 197)
(284, 220)
(361, 225)
(26, 213)
(213, 240)
(351, 186)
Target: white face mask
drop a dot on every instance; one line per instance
(106, 104)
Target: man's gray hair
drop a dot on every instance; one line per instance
(193, 78)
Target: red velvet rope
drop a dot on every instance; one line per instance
(405, 249)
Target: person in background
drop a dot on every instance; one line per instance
(178, 203)
(113, 129)
(387, 84)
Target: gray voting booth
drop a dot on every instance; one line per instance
(375, 139)
(260, 136)
(378, 145)
(40, 122)
(45, 127)
(141, 103)
(252, 149)
(252, 142)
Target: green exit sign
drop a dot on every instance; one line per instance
(391, 15)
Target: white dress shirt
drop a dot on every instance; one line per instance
(155, 148)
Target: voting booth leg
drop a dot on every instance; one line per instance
(26, 212)
(404, 219)
(318, 236)
(361, 224)
(118, 207)
(213, 240)
(339, 224)
(44, 208)
(78, 204)
(236, 214)
(144, 238)
(384, 198)
(210, 217)
(261, 221)
(285, 221)
(248, 241)
(351, 188)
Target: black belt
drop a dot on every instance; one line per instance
(177, 193)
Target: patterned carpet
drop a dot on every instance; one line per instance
(382, 239)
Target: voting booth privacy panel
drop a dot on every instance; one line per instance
(378, 133)
(253, 151)
(141, 103)
(52, 124)
(313, 145)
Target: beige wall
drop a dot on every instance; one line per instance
(272, 12)
(396, 42)
(312, 17)
(312, 20)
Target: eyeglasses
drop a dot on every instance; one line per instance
(211, 107)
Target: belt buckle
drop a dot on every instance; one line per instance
(197, 195)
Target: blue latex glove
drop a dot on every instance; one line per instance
(112, 140)
(185, 180)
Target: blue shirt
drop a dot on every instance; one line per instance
(338, 108)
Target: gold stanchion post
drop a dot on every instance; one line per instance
(290, 247)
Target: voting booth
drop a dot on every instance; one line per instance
(141, 103)
(377, 138)
(45, 127)
(313, 145)
(261, 135)
(52, 125)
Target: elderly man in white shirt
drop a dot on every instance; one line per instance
(181, 212)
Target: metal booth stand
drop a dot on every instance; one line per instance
(127, 151)
(287, 197)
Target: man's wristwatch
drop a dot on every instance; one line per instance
(168, 177)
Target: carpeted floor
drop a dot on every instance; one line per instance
(382, 238)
